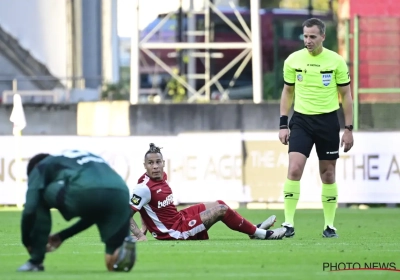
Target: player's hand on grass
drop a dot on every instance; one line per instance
(142, 238)
(347, 140)
(284, 136)
(53, 243)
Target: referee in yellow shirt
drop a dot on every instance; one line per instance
(313, 77)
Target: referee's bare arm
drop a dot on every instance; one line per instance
(286, 99)
(286, 103)
(289, 79)
(347, 103)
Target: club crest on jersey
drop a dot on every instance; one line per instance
(300, 77)
(192, 223)
(136, 199)
(326, 78)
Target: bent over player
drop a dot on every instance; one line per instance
(78, 184)
(313, 77)
(153, 198)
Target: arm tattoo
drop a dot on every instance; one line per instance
(135, 229)
(144, 227)
(212, 215)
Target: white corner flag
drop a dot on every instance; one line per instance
(17, 115)
(19, 122)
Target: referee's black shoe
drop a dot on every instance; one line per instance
(330, 232)
(289, 230)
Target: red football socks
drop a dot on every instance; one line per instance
(236, 222)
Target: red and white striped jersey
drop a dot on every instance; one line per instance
(154, 200)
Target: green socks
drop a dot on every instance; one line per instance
(291, 193)
(329, 202)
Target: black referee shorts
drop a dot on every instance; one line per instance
(321, 130)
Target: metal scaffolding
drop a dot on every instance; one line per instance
(251, 49)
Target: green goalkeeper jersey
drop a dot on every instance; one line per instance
(61, 181)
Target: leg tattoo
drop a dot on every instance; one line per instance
(213, 215)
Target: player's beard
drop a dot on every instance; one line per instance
(157, 176)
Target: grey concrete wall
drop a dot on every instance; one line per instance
(152, 119)
(42, 119)
(171, 119)
(159, 119)
(379, 116)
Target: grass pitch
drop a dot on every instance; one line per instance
(366, 236)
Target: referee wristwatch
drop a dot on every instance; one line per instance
(349, 127)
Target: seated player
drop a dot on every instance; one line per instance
(78, 184)
(153, 198)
